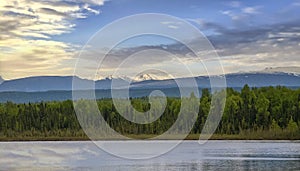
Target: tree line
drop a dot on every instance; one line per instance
(269, 110)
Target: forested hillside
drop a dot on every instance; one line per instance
(252, 113)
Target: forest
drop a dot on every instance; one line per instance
(252, 113)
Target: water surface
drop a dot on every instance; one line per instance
(214, 155)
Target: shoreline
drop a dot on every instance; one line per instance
(191, 137)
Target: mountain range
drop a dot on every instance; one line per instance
(59, 83)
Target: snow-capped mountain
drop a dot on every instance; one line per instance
(151, 75)
(110, 77)
(150, 80)
(144, 77)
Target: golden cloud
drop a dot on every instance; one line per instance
(26, 28)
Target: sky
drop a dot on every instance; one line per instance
(45, 37)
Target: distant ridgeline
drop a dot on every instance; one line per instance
(53, 88)
(251, 113)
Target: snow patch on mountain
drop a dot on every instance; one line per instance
(151, 76)
(111, 77)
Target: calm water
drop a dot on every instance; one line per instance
(214, 155)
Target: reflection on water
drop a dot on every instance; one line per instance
(215, 155)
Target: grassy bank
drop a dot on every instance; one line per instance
(259, 135)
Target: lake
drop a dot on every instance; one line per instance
(189, 155)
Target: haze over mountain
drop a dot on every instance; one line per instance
(148, 81)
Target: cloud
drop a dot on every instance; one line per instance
(172, 25)
(27, 57)
(283, 34)
(27, 27)
(232, 15)
(242, 48)
(87, 7)
(207, 25)
(242, 14)
(257, 47)
(92, 2)
(251, 10)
